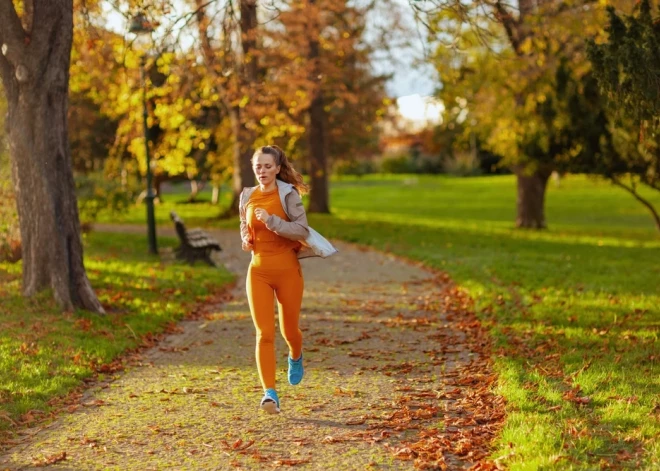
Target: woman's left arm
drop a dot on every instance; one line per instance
(297, 229)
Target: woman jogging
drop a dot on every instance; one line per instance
(274, 228)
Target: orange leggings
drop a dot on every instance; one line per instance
(269, 276)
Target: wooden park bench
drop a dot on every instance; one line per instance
(195, 243)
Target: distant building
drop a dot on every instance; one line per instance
(399, 144)
(409, 129)
(412, 114)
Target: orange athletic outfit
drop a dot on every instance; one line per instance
(274, 272)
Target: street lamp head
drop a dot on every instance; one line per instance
(140, 24)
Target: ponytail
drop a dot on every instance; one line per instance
(287, 173)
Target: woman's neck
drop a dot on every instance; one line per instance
(267, 188)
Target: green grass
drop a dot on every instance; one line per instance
(175, 200)
(44, 353)
(572, 308)
(575, 306)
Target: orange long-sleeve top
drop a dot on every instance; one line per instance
(264, 241)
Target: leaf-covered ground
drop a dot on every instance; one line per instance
(395, 379)
(46, 354)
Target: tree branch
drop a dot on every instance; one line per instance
(510, 24)
(28, 16)
(48, 16)
(633, 191)
(12, 38)
(10, 23)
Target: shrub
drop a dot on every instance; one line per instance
(430, 164)
(97, 193)
(398, 164)
(354, 167)
(462, 164)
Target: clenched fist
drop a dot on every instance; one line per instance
(261, 214)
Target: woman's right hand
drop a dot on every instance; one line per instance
(247, 246)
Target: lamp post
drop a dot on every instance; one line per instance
(141, 26)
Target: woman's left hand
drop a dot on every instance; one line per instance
(261, 214)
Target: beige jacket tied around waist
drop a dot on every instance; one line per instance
(314, 244)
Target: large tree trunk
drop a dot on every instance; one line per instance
(244, 137)
(243, 174)
(531, 198)
(318, 167)
(531, 187)
(36, 80)
(319, 199)
(245, 82)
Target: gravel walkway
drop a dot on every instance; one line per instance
(375, 345)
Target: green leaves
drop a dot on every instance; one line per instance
(628, 64)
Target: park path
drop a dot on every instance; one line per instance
(393, 374)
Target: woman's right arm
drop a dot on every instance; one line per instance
(295, 229)
(245, 231)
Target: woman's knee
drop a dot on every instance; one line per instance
(291, 333)
(265, 337)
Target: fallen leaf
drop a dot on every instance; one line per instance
(289, 462)
(52, 459)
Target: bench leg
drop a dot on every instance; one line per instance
(208, 259)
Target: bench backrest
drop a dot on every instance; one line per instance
(179, 226)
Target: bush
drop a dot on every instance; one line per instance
(430, 165)
(462, 164)
(398, 164)
(97, 193)
(354, 167)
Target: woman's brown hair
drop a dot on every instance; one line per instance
(287, 173)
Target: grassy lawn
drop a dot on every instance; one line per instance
(175, 200)
(44, 354)
(574, 309)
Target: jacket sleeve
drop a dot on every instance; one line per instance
(297, 229)
(245, 232)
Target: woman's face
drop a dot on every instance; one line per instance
(265, 169)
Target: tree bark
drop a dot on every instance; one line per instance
(530, 204)
(157, 183)
(319, 199)
(318, 167)
(246, 77)
(244, 137)
(35, 74)
(243, 142)
(194, 190)
(531, 198)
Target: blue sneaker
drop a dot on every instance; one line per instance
(296, 370)
(270, 402)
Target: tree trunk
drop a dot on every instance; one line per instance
(318, 167)
(243, 136)
(319, 199)
(194, 190)
(531, 199)
(36, 80)
(157, 183)
(243, 174)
